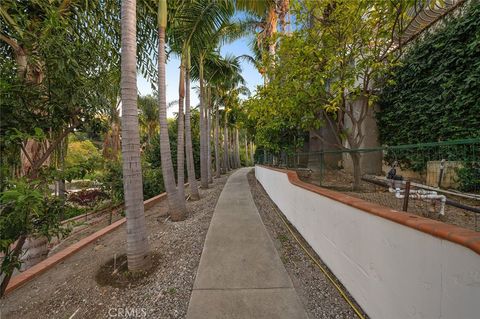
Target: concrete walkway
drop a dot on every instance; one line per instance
(240, 273)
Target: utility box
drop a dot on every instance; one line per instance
(449, 176)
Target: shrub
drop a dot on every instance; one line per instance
(469, 178)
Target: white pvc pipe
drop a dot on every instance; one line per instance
(421, 194)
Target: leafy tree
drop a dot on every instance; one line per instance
(348, 45)
(26, 210)
(54, 62)
(80, 152)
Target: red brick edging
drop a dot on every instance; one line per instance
(461, 236)
(51, 261)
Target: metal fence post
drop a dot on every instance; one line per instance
(407, 195)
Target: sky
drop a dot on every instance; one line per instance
(239, 47)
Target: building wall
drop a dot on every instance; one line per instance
(392, 270)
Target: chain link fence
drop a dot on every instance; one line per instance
(439, 180)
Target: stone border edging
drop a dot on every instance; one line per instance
(458, 235)
(51, 261)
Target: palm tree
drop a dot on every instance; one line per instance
(222, 73)
(195, 28)
(137, 241)
(176, 204)
(216, 137)
(192, 180)
(203, 23)
(208, 119)
(180, 133)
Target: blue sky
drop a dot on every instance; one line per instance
(239, 47)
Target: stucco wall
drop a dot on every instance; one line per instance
(392, 271)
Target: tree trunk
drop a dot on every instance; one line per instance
(176, 205)
(60, 184)
(357, 173)
(217, 142)
(180, 135)
(203, 132)
(137, 240)
(230, 151)
(225, 144)
(8, 272)
(252, 153)
(246, 152)
(209, 128)
(192, 179)
(237, 148)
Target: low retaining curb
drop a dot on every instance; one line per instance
(51, 261)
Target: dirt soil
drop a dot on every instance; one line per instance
(70, 290)
(317, 293)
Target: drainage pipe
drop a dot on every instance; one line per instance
(421, 194)
(384, 182)
(450, 202)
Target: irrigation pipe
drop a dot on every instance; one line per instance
(324, 271)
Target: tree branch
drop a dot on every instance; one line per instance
(11, 42)
(38, 163)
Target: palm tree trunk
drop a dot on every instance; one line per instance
(222, 149)
(192, 180)
(181, 135)
(246, 151)
(209, 146)
(176, 205)
(230, 151)
(217, 141)
(225, 145)
(203, 131)
(137, 240)
(237, 148)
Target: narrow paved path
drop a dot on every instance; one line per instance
(240, 273)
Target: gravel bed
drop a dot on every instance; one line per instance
(318, 295)
(69, 290)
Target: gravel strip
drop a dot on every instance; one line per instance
(318, 295)
(69, 289)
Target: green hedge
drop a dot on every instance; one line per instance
(435, 93)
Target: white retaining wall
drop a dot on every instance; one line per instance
(392, 271)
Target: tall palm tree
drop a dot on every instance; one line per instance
(195, 28)
(216, 137)
(208, 129)
(176, 204)
(192, 180)
(137, 240)
(221, 72)
(181, 133)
